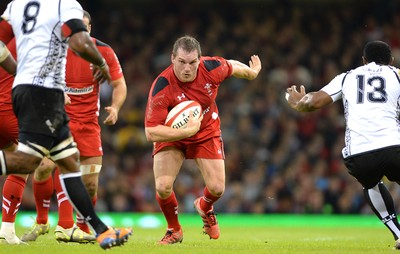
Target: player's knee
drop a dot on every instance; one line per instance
(164, 190)
(91, 188)
(216, 190)
(44, 170)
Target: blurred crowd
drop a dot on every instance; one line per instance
(277, 160)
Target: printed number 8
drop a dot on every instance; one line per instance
(31, 12)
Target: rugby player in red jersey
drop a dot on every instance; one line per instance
(190, 77)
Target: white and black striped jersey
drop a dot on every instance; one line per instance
(370, 95)
(41, 49)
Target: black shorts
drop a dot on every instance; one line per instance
(41, 115)
(369, 168)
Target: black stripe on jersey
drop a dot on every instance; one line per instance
(101, 44)
(211, 64)
(395, 73)
(76, 26)
(161, 83)
(344, 78)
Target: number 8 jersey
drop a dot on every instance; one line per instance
(370, 95)
(32, 22)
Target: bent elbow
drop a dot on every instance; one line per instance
(149, 136)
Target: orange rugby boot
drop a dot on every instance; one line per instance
(172, 237)
(210, 223)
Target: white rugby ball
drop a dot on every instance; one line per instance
(179, 115)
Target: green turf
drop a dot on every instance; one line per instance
(250, 234)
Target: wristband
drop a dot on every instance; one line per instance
(101, 66)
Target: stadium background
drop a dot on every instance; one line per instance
(277, 160)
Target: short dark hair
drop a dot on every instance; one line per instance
(188, 44)
(378, 52)
(87, 15)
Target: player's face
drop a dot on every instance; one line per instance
(185, 65)
(86, 22)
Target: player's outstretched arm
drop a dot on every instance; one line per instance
(303, 102)
(250, 72)
(118, 98)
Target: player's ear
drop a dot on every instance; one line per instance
(391, 60)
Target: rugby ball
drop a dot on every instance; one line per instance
(179, 115)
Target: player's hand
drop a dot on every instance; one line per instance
(193, 125)
(67, 99)
(112, 115)
(255, 64)
(101, 73)
(293, 96)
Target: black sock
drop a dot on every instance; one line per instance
(80, 200)
(381, 202)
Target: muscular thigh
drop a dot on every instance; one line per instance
(167, 163)
(213, 170)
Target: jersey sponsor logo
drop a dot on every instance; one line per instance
(83, 90)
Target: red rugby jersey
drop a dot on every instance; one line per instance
(80, 86)
(167, 91)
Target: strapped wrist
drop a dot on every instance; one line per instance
(103, 64)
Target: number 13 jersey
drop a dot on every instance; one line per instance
(370, 95)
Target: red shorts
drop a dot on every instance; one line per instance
(8, 129)
(88, 138)
(212, 148)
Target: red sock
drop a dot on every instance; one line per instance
(208, 200)
(43, 192)
(169, 207)
(81, 223)
(65, 209)
(12, 196)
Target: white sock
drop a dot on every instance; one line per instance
(8, 227)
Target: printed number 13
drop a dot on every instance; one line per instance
(377, 95)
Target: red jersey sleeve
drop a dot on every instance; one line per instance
(157, 103)
(111, 58)
(218, 67)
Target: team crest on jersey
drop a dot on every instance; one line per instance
(77, 91)
(208, 88)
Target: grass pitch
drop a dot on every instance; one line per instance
(247, 234)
